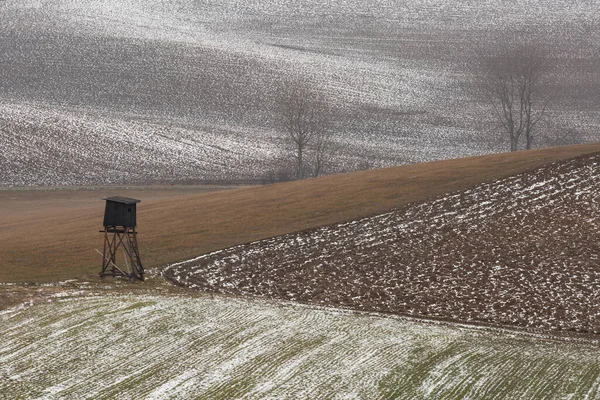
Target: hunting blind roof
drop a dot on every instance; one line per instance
(120, 199)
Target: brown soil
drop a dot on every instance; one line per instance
(51, 235)
(521, 251)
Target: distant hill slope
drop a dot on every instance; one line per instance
(51, 235)
(129, 91)
(523, 250)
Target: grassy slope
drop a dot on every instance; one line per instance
(98, 347)
(59, 242)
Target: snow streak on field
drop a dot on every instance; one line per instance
(166, 347)
(194, 86)
(69, 148)
(519, 251)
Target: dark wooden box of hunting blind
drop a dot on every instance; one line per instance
(120, 211)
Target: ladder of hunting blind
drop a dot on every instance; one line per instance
(137, 270)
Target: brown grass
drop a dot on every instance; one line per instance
(51, 235)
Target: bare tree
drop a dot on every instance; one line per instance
(565, 137)
(306, 127)
(280, 172)
(514, 82)
(322, 149)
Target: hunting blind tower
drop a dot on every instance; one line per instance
(119, 233)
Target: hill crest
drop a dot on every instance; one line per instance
(519, 251)
(177, 225)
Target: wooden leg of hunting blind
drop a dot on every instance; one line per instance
(114, 249)
(114, 239)
(104, 255)
(114, 267)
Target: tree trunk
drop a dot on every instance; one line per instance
(299, 167)
(514, 143)
(529, 139)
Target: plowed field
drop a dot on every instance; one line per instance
(521, 251)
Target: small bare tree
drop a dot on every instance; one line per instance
(306, 127)
(323, 148)
(565, 137)
(514, 82)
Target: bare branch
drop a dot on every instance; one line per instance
(305, 125)
(513, 82)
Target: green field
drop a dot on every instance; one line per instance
(151, 346)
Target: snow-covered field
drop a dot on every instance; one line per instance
(521, 251)
(77, 149)
(187, 90)
(158, 347)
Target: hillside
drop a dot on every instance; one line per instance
(156, 347)
(123, 92)
(50, 235)
(443, 249)
(521, 251)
